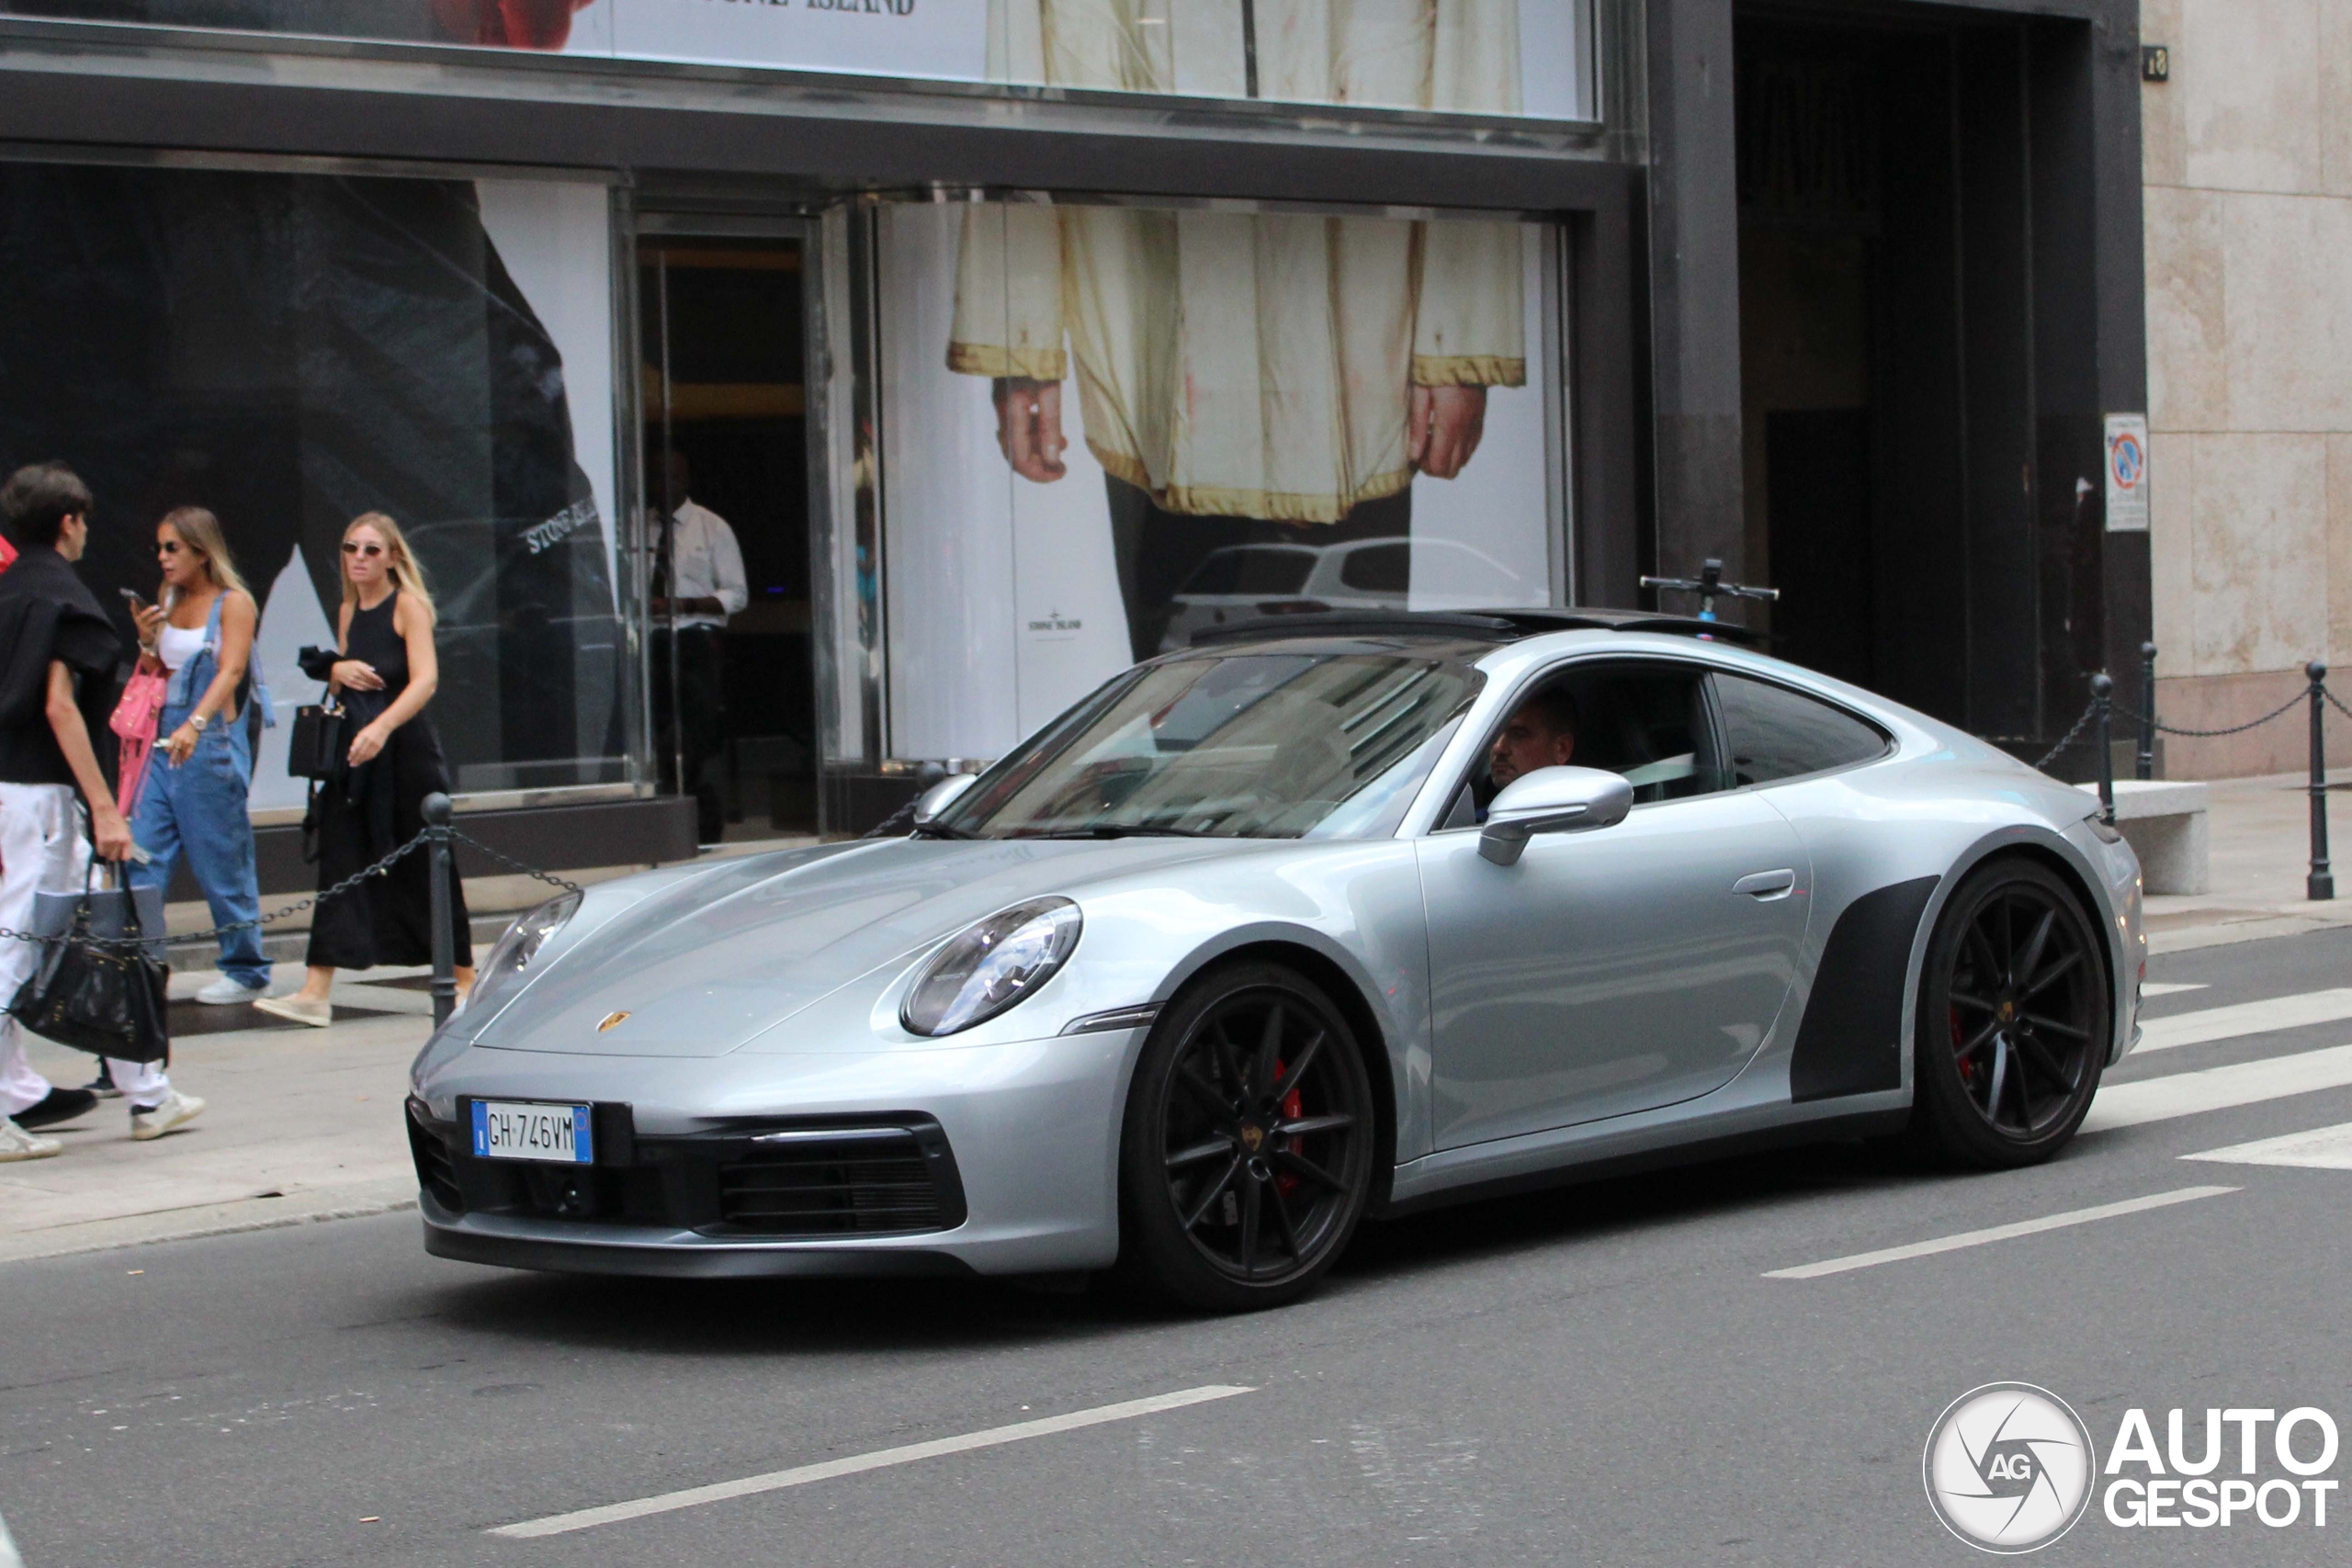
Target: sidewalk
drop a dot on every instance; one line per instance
(2259, 831)
(305, 1123)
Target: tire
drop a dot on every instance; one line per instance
(1245, 1154)
(2015, 1020)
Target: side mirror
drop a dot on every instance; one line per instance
(941, 796)
(1551, 800)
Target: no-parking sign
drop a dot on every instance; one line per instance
(2127, 473)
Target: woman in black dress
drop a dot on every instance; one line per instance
(374, 804)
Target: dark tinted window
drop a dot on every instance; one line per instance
(1645, 721)
(1379, 569)
(1779, 734)
(1250, 569)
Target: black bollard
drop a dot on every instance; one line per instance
(2144, 765)
(435, 811)
(2103, 699)
(2320, 883)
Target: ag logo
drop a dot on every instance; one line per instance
(2009, 1467)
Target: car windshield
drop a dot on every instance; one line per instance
(1327, 740)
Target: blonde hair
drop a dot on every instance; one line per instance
(399, 565)
(202, 532)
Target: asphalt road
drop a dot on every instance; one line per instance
(1602, 1374)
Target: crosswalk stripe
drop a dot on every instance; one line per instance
(1909, 1250)
(2322, 1148)
(2210, 1024)
(2217, 1088)
(859, 1464)
(2154, 988)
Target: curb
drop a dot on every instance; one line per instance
(259, 1213)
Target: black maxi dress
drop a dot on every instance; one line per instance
(367, 812)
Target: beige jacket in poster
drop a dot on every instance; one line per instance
(1239, 364)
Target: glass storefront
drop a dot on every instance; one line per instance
(1528, 58)
(291, 350)
(969, 458)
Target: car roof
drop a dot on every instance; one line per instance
(1491, 627)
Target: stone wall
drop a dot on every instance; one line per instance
(2248, 172)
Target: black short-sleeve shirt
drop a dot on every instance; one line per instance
(49, 615)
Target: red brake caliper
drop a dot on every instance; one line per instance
(1968, 1067)
(1292, 1107)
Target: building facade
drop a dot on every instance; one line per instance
(2249, 202)
(1016, 339)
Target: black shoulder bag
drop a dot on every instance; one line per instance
(109, 1001)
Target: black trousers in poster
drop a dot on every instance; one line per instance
(1158, 550)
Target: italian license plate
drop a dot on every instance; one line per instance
(521, 1129)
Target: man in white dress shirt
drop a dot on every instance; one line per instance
(701, 585)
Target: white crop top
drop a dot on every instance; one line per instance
(176, 646)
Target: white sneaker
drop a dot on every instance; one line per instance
(152, 1121)
(17, 1143)
(228, 990)
(318, 1015)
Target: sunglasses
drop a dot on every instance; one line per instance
(354, 547)
(168, 548)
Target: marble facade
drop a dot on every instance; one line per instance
(2247, 165)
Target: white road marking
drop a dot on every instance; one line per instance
(2218, 1088)
(1995, 1233)
(2154, 988)
(2246, 1018)
(2322, 1148)
(880, 1459)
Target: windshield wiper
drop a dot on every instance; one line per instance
(1131, 831)
(939, 830)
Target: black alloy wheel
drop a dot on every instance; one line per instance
(1246, 1154)
(2015, 1019)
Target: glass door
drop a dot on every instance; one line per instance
(726, 542)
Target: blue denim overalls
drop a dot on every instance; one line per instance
(198, 807)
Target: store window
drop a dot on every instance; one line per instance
(1107, 428)
(1481, 57)
(293, 350)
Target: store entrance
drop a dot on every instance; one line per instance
(723, 383)
(1917, 353)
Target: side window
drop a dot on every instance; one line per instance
(1779, 734)
(1645, 719)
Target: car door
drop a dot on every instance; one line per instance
(1622, 968)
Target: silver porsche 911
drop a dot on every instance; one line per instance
(1341, 919)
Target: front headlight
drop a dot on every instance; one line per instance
(990, 967)
(504, 972)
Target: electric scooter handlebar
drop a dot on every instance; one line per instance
(1709, 586)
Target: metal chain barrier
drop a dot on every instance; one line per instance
(2073, 735)
(506, 860)
(381, 868)
(2332, 697)
(2282, 709)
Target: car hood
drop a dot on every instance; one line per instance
(701, 967)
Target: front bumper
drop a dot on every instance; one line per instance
(993, 1159)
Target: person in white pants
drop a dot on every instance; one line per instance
(62, 650)
(43, 851)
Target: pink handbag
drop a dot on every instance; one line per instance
(135, 717)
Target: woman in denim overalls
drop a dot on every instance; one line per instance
(193, 799)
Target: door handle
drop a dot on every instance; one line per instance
(1765, 886)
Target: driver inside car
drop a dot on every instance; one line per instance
(1540, 733)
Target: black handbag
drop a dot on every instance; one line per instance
(109, 1001)
(319, 741)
